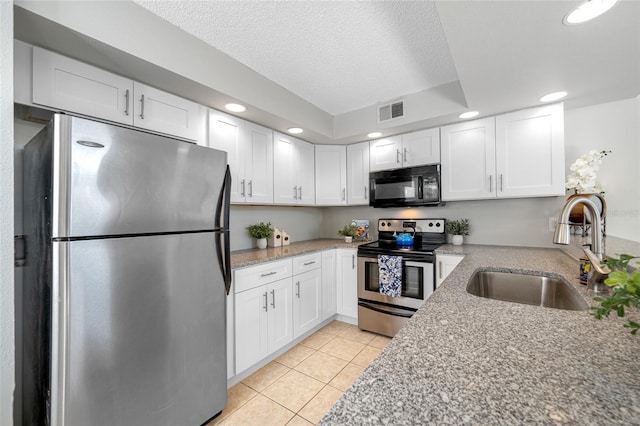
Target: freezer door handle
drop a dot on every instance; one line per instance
(223, 240)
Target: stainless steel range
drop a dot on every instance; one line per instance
(414, 240)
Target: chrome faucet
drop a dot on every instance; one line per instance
(562, 235)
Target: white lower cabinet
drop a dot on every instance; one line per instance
(445, 263)
(329, 296)
(346, 282)
(263, 311)
(307, 293)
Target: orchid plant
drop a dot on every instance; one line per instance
(583, 178)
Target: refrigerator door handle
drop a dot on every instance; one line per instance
(223, 242)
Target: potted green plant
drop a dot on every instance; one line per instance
(625, 286)
(261, 231)
(348, 232)
(458, 229)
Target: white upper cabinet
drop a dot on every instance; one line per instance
(385, 153)
(293, 171)
(331, 175)
(358, 174)
(530, 152)
(421, 147)
(63, 83)
(163, 112)
(249, 150)
(520, 154)
(408, 150)
(69, 85)
(468, 160)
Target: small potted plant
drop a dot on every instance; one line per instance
(458, 229)
(348, 232)
(261, 232)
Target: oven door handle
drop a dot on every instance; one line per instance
(385, 311)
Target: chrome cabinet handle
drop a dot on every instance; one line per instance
(490, 183)
(365, 192)
(353, 261)
(404, 157)
(242, 192)
(309, 263)
(440, 269)
(265, 301)
(251, 189)
(126, 102)
(273, 299)
(295, 192)
(344, 194)
(268, 274)
(142, 107)
(501, 186)
(298, 289)
(398, 156)
(299, 193)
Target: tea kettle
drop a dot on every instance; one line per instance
(404, 239)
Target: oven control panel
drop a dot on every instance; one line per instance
(435, 226)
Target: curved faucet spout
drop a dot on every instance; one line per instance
(562, 233)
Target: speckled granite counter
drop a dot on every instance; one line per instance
(242, 258)
(463, 359)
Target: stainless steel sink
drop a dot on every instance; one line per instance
(537, 290)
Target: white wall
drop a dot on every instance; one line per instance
(7, 345)
(613, 126)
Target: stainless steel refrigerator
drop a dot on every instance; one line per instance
(126, 277)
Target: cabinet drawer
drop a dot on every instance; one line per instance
(265, 273)
(307, 262)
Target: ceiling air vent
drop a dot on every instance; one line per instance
(390, 111)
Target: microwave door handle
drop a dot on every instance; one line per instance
(420, 186)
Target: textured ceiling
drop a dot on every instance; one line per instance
(338, 55)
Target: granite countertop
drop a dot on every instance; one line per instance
(242, 258)
(463, 359)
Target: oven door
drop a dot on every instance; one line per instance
(418, 280)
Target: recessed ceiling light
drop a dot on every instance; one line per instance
(294, 130)
(235, 107)
(469, 114)
(374, 135)
(553, 96)
(588, 10)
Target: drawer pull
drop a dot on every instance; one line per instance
(268, 274)
(309, 263)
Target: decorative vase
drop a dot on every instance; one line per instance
(262, 243)
(457, 240)
(348, 239)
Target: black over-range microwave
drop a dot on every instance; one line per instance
(411, 186)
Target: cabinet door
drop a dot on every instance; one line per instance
(385, 154)
(331, 175)
(285, 185)
(305, 165)
(251, 316)
(66, 84)
(280, 322)
(225, 135)
(346, 264)
(358, 174)
(419, 148)
(468, 160)
(445, 264)
(259, 163)
(530, 152)
(307, 299)
(166, 113)
(329, 296)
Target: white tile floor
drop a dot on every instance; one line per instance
(301, 385)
